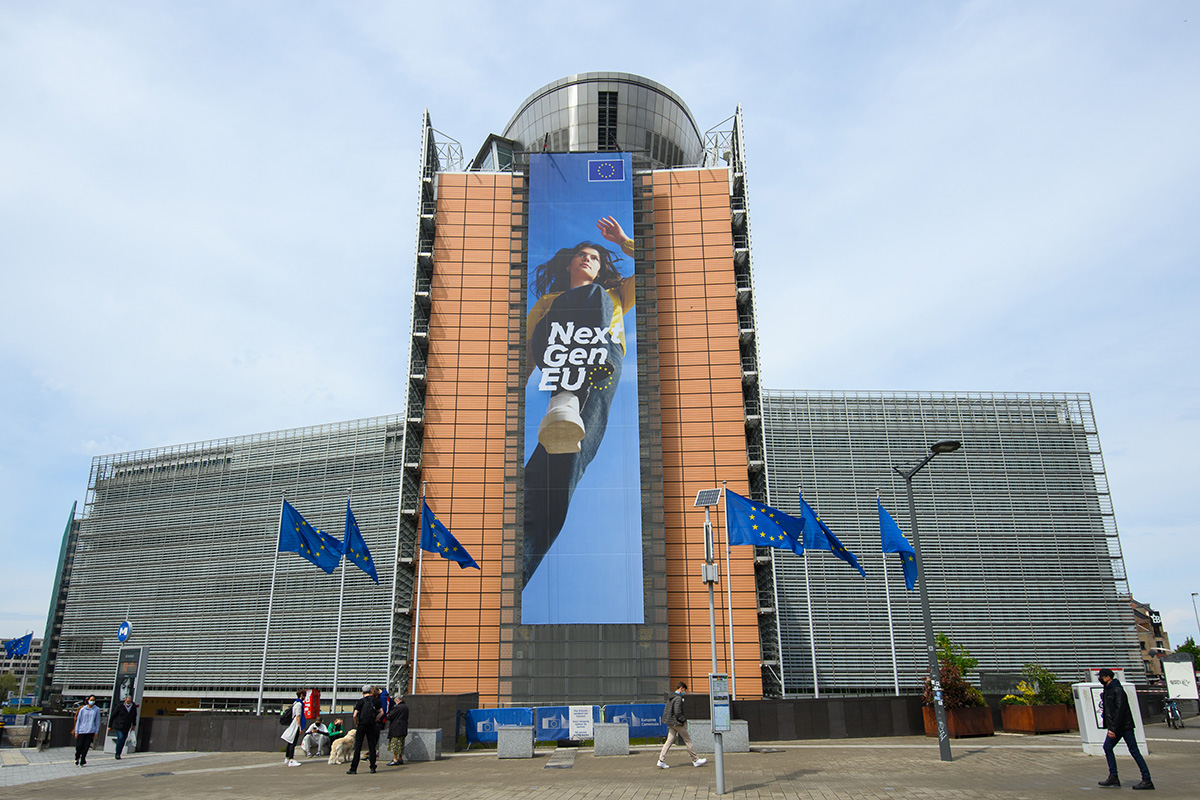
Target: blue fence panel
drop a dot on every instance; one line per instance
(554, 723)
(482, 722)
(644, 719)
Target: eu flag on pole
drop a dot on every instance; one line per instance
(817, 536)
(437, 539)
(17, 647)
(894, 542)
(749, 522)
(297, 536)
(356, 551)
(609, 169)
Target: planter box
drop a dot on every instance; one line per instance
(1038, 719)
(961, 722)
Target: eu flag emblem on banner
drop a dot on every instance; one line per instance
(437, 539)
(355, 545)
(17, 647)
(754, 523)
(894, 542)
(297, 536)
(817, 536)
(606, 170)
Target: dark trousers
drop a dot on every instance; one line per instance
(371, 735)
(550, 480)
(121, 737)
(83, 743)
(1131, 742)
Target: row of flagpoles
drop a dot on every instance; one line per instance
(750, 523)
(296, 535)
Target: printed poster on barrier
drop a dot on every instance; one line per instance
(581, 723)
(582, 535)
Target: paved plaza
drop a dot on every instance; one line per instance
(1005, 766)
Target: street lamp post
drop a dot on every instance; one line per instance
(935, 672)
(707, 498)
(1197, 613)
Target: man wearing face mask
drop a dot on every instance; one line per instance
(123, 720)
(87, 723)
(676, 721)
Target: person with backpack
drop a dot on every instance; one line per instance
(293, 718)
(676, 721)
(367, 716)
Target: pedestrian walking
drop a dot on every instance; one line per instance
(1118, 721)
(397, 729)
(367, 716)
(675, 719)
(87, 723)
(293, 733)
(123, 720)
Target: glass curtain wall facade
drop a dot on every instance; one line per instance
(184, 538)
(1017, 531)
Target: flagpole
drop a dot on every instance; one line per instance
(25, 664)
(417, 609)
(395, 680)
(811, 636)
(262, 675)
(887, 593)
(729, 594)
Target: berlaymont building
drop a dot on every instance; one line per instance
(583, 361)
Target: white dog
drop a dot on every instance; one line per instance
(342, 749)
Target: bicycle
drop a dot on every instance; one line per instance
(1171, 711)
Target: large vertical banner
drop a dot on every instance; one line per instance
(583, 519)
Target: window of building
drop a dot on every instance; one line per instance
(606, 122)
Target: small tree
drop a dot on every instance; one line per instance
(1189, 646)
(956, 654)
(8, 683)
(1038, 687)
(954, 662)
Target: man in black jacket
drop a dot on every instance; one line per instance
(122, 720)
(676, 721)
(367, 715)
(1118, 720)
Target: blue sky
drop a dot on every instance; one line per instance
(207, 217)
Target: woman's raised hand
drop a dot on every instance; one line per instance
(611, 229)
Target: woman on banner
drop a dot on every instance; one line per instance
(576, 337)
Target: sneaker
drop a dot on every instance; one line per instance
(294, 763)
(663, 765)
(351, 772)
(699, 762)
(561, 429)
(1146, 784)
(1111, 780)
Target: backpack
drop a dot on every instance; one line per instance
(285, 718)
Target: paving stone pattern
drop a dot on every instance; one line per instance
(1005, 767)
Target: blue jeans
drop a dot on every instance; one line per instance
(121, 737)
(1130, 742)
(550, 480)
